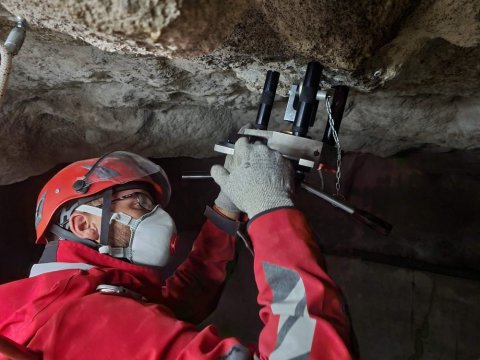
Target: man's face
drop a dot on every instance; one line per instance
(132, 202)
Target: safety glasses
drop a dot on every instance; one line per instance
(144, 201)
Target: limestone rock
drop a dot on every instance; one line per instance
(170, 78)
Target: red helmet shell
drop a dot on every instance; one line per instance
(108, 171)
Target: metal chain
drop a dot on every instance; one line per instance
(331, 121)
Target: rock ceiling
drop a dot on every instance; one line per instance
(170, 78)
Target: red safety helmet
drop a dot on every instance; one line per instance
(87, 178)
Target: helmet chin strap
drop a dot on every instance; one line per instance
(117, 252)
(106, 215)
(105, 248)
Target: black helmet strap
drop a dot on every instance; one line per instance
(106, 214)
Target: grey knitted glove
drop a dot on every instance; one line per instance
(223, 201)
(261, 178)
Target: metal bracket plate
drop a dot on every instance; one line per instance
(305, 151)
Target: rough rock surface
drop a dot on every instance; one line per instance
(170, 78)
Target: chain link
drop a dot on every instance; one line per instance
(331, 121)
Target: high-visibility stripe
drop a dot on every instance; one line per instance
(295, 327)
(237, 352)
(39, 269)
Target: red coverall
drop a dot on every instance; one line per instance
(60, 314)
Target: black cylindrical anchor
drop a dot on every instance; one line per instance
(266, 102)
(308, 103)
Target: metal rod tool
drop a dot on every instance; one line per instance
(362, 216)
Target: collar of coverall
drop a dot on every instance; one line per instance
(65, 251)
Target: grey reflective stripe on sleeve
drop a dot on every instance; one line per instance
(39, 269)
(295, 327)
(237, 352)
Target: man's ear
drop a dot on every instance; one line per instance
(83, 226)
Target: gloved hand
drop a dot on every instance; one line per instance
(260, 179)
(222, 201)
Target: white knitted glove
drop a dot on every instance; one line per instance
(223, 201)
(260, 180)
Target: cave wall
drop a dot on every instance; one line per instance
(170, 78)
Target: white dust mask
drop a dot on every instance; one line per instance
(152, 236)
